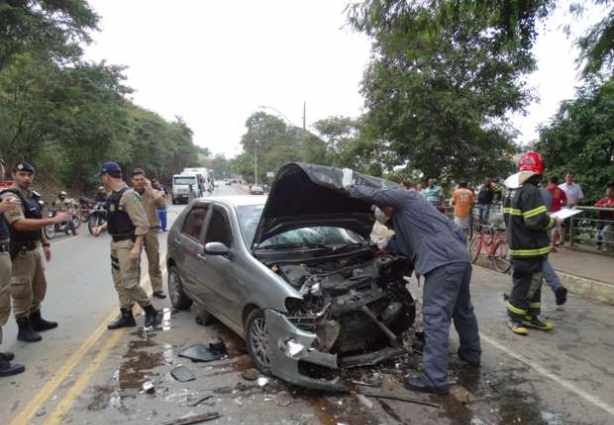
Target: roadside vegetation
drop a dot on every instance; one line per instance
(444, 79)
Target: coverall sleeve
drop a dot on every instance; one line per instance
(393, 197)
(131, 202)
(534, 211)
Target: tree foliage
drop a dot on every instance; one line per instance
(580, 138)
(443, 77)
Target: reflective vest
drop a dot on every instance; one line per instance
(527, 223)
(118, 220)
(32, 209)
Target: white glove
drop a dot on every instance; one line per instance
(348, 177)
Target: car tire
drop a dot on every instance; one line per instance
(177, 295)
(257, 341)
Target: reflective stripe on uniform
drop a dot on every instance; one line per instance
(529, 252)
(535, 305)
(535, 211)
(515, 310)
(512, 211)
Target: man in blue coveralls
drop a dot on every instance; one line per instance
(439, 252)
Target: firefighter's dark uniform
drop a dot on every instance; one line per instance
(528, 223)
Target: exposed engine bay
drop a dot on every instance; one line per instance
(355, 305)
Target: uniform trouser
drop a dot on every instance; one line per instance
(162, 218)
(152, 250)
(28, 283)
(526, 295)
(5, 289)
(127, 276)
(446, 297)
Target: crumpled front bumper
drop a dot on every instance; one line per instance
(289, 345)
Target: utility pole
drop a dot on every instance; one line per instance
(304, 141)
(256, 162)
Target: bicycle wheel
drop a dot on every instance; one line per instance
(499, 257)
(94, 221)
(475, 247)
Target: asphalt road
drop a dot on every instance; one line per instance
(83, 374)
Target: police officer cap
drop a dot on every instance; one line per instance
(23, 166)
(110, 167)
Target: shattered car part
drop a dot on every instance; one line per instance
(182, 374)
(205, 353)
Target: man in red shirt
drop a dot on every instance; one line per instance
(608, 232)
(559, 200)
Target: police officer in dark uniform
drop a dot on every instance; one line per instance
(127, 224)
(28, 284)
(6, 367)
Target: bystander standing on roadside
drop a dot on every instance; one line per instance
(463, 201)
(28, 283)
(69, 206)
(607, 232)
(193, 193)
(573, 192)
(127, 224)
(152, 199)
(6, 367)
(558, 201)
(486, 195)
(434, 195)
(162, 212)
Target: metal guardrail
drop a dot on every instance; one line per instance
(586, 228)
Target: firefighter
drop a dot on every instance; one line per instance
(528, 222)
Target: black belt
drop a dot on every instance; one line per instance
(123, 237)
(25, 246)
(4, 247)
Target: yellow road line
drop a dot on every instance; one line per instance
(69, 398)
(34, 405)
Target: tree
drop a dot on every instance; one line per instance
(54, 27)
(580, 139)
(443, 78)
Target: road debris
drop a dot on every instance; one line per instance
(215, 350)
(262, 381)
(250, 374)
(200, 400)
(364, 400)
(148, 387)
(182, 374)
(194, 419)
(379, 394)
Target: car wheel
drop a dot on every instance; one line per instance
(257, 338)
(178, 297)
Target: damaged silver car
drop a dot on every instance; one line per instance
(295, 275)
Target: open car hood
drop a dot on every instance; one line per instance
(305, 195)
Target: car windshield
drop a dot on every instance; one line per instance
(184, 180)
(316, 236)
(249, 216)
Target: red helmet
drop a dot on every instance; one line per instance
(531, 161)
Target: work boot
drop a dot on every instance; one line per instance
(159, 294)
(517, 327)
(561, 295)
(537, 323)
(39, 324)
(125, 320)
(151, 314)
(7, 356)
(419, 385)
(26, 333)
(8, 369)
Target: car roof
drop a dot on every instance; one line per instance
(237, 200)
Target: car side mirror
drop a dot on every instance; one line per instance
(216, 248)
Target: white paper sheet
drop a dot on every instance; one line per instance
(565, 213)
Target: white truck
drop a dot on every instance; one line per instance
(205, 178)
(181, 184)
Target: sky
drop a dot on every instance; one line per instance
(215, 63)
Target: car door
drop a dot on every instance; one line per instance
(190, 244)
(220, 273)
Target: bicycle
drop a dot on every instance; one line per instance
(495, 246)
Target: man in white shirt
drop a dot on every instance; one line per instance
(574, 194)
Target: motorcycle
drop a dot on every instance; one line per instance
(98, 217)
(51, 231)
(86, 209)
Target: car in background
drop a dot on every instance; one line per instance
(295, 275)
(256, 190)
